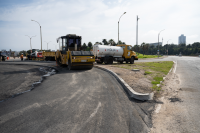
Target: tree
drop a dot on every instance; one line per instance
(84, 46)
(120, 42)
(143, 47)
(147, 47)
(105, 42)
(90, 45)
(112, 42)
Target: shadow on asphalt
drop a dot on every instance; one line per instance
(64, 69)
(17, 72)
(29, 61)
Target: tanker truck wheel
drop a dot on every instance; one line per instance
(132, 60)
(110, 60)
(121, 62)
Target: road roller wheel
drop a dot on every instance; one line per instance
(69, 65)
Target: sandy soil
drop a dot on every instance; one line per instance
(167, 116)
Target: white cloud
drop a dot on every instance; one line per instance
(119, 1)
(193, 36)
(74, 28)
(97, 20)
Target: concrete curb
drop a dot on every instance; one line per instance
(131, 92)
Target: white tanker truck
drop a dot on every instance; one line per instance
(119, 53)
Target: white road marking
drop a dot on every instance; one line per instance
(91, 116)
(158, 107)
(95, 111)
(175, 66)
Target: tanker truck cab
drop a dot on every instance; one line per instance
(129, 55)
(119, 53)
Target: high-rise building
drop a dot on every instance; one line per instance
(155, 44)
(182, 39)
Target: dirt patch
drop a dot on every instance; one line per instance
(136, 80)
(175, 99)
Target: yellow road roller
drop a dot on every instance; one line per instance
(72, 55)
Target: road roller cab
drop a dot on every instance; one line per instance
(71, 53)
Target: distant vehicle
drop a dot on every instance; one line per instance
(3, 56)
(34, 55)
(49, 55)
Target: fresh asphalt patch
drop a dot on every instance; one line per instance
(18, 79)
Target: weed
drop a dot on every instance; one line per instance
(147, 72)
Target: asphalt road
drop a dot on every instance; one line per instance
(93, 101)
(75, 101)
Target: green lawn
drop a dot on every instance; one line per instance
(147, 56)
(154, 71)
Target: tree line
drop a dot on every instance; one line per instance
(170, 49)
(111, 42)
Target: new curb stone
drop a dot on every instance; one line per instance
(131, 92)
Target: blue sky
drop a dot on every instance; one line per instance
(95, 20)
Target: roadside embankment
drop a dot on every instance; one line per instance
(145, 80)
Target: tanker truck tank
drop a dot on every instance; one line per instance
(119, 53)
(103, 50)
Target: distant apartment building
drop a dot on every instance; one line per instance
(155, 44)
(182, 39)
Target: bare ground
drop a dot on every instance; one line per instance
(136, 80)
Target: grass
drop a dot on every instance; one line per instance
(156, 70)
(147, 56)
(147, 72)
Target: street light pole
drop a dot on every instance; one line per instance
(118, 26)
(167, 46)
(47, 44)
(158, 42)
(30, 41)
(40, 33)
(137, 33)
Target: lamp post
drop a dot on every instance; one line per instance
(118, 25)
(158, 42)
(167, 46)
(47, 44)
(40, 33)
(30, 41)
(137, 32)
